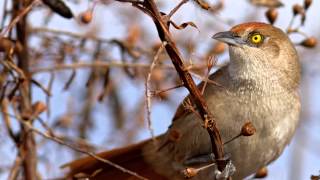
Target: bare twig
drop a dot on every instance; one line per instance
(14, 172)
(51, 136)
(174, 10)
(156, 92)
(18, 18)
(211, 62)
(6, 118)
(104, 64)
(91, 154)
(148, 92)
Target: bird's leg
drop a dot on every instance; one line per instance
(228, 171)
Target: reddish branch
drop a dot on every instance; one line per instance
(162, 24)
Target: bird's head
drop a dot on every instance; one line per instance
(258, 47)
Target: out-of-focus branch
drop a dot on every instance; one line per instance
(19, 17)
(14, 172)
(91, 154)
(27, 145)
(104, 64)
(6, 118)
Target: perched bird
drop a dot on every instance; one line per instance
(259, 85)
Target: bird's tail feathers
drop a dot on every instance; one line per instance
(130, 158)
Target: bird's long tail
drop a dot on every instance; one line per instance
(130, 157)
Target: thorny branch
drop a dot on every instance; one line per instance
(149, 7)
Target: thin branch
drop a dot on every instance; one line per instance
(6, 118)
(156, 92)
(91, 154)
(185, 76)
(19, 17)
(147, 84)
(52, 137)
(14, 172)
(174, 10)
(103, 64)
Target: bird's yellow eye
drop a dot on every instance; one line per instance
(256, 38)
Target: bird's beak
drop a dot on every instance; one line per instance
(229, 38)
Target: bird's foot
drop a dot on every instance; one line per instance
(228, 171)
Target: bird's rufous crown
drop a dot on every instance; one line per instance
(251, 25)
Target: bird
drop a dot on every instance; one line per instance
(259, 85)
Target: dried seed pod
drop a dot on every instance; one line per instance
(261, 173)
(190, 172)
(59, 7)
(65, 121)
(272, 15)
(310, 42)
(218, 48)
(307, 4)
(297, 9)
(313, 177)
(204, 5)
(86, 17)
(158, 75)
(134, 33)
(38, 108)
(267, 3)
(163, 95)
(248, 129)
(6, 44)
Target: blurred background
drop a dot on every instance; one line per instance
(89, 74)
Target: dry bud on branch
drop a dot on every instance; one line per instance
(218, 48)
(310, 42)
(134, 34)
(272, 15)
(190, 172)
(203, 4)
(248, 129)
(313, 177)
(307, 4)
(261, 173)
(267, 3)
(297, 9)
(86, 17)
(38, 108)
(7, 45)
